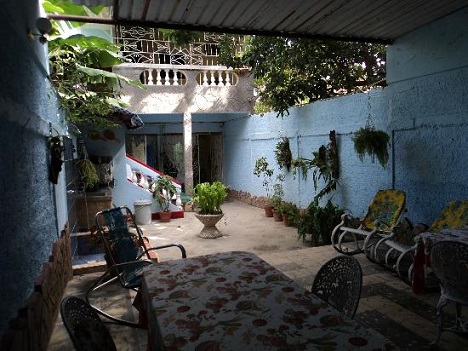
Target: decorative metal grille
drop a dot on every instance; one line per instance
(148, 45)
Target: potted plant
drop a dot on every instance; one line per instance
(319, 222)
(374, 143)
(283, 153)
(289, 212)
(277, 198)
(261, 169)
(163, 191)
(208, 199)
(88, 173)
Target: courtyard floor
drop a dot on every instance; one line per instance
(387, 304)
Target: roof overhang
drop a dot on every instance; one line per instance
(351, 20)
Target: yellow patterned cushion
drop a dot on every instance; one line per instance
(454, 215)
(386, 207)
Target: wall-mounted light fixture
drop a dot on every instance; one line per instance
(44, 27)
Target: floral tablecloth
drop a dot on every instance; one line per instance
(237, 301)
(425, 241)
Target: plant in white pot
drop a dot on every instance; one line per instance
(163, 191)
(208, 199)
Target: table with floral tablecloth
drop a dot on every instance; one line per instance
(237, 301)
(424, 243)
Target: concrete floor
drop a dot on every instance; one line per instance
(387, 304)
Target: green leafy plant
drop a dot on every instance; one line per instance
(81, 69)
(277, 198)
(289, 210)
(163, 191)
(209, 197)
(283, 154)
(371, 142)
(319, 222)
(261, 169)
(88, 173)
(324, 165)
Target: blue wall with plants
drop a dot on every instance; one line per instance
(424, 109)
(29, 222)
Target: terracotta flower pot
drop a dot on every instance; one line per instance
(277, 216)
(268, 211)
(165, 216)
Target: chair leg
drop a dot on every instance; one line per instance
(440, 318)
(101, 282)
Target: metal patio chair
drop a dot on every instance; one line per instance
(382, 215)
(126, 254)
(339, 283)
(449, 261)
(85, 328)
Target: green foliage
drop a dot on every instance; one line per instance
(163, 191)
(209, 197)
(291, 210)
(324, 167)
(278, 192)
(283, 153)
(295, 71)
(371, 142)
(319, 222)
(81, 69)
(182, 38)
(261, 170)
(88, 173)
(81, 73)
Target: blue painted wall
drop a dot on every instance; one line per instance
(33, 210)
(424, 108)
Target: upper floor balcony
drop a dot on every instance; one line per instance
(180, 79)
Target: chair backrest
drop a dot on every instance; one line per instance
(86, 329)
(449, 260)
(339, 282)
(119, 243)
(386, 207)
(454, 215)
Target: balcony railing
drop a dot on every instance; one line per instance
(148, 45)
(205, 77)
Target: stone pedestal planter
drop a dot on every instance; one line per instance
(209, 221)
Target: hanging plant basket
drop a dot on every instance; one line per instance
(373, 143)
(283, 154)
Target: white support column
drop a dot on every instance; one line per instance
(188, 145)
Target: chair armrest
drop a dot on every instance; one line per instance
(181, 248)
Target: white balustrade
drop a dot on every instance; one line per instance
(172, 77)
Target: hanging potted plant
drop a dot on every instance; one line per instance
(163, 191)
(261, 169)
(208, 198)
(371, 142)
(283, 154)
(88, 173)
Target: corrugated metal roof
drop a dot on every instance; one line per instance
(368, 20)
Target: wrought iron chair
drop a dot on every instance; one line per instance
(126, 253)
(339, 283)
(86, 329)
(382, 215)
(449, 261)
